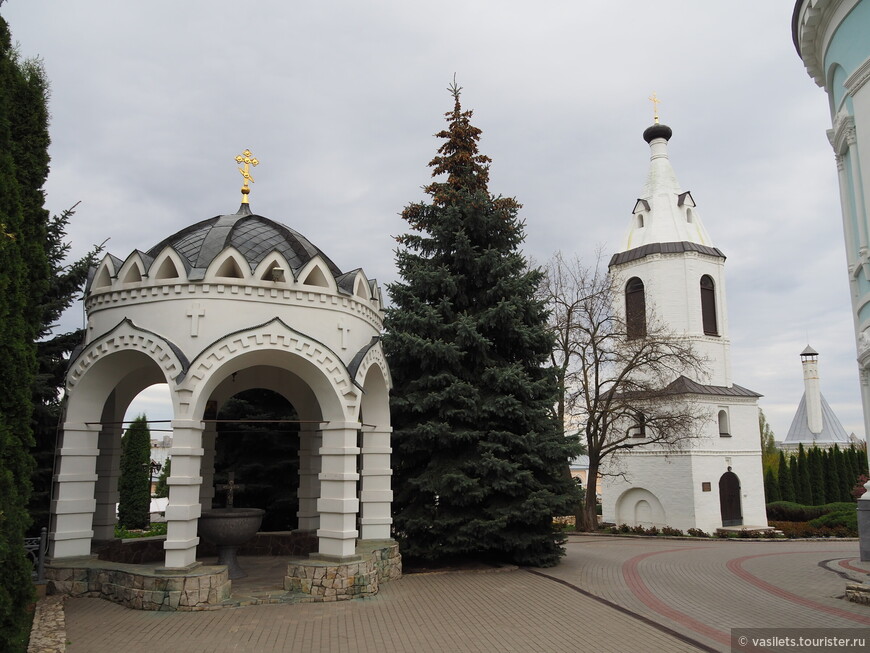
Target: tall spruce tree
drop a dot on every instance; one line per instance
(832, 479)
(844, 485)
(817, 475)
(134, 482)
(771, 487)
(803, 488)
(786, 486)
(478, 456)
(23, 274)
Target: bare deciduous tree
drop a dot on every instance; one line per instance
(617, 392)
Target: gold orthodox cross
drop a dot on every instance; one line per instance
(246, 158)
(230, 486)
(656, 102)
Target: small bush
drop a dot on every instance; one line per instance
(806, 529)
(696, 532)
(790, 511)
(667, 530)
(844, 519)
(122, 533)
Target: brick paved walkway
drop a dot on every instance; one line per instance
(664, 595)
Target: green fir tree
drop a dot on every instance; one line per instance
(803, 489)
(771, 487)
(23, 278)
(844, 489)
(477, 453)
(134, 482)
(817, 476)
(786, 486)
(832, 479)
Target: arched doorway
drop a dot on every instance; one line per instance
(729, 499)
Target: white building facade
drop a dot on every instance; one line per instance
(831, 37)
(669, 267)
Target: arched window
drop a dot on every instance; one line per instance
(724, 429)
(708, 306)
(635, 309)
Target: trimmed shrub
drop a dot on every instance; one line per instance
(840, 519)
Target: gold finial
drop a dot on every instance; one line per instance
(656, 102)
(246, 158)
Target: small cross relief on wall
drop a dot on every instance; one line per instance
(195, 312)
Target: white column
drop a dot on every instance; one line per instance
(73, 507)
(184, 482)
(376, 497)
(106, 489)
(206, 490)
(338, 503)
(308, 492)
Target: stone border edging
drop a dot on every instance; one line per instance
(48, 632)
(688, 538)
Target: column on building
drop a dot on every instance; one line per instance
(74, 503)
(310, 440)
(376, 495)
(206, 490)
(184, 509)
(338, 504)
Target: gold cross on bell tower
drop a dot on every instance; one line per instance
(246, 158)
(656, 102)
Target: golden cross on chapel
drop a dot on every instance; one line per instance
(248, 159)
(656, 102)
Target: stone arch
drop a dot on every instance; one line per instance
(636, 503)
(127, 336)
(315, 363)
(104, 379)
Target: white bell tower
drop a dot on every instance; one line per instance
(670, 272)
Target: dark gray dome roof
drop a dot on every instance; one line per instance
(254, 236)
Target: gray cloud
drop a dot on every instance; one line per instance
(339, 100)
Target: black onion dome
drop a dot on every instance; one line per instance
(254, 236)
(657, 131)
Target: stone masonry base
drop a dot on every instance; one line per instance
(858, 593)
(333, 581)
(147, 586)
(139, 587)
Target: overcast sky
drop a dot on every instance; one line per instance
(339, 100)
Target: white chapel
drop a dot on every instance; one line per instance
(669, 266)
(229, 303)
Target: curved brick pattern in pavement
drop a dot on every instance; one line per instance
(698, 589)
